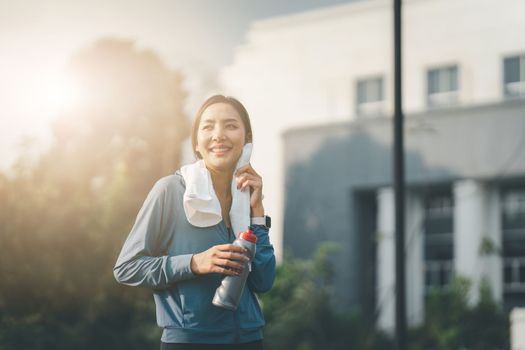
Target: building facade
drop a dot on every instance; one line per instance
(465, 204)
(318, 86)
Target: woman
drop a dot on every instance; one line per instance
(185, 264)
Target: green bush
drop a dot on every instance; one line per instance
(299, 313)
(450, 323)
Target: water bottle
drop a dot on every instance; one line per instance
(228, 294)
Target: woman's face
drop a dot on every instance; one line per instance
(220, 137)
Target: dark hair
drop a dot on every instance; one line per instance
(239, 108)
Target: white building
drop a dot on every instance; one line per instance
(311, 79)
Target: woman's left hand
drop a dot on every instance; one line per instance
(246, 176)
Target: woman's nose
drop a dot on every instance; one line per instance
(218, 133)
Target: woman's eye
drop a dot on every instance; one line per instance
(231, 126)
(206, 127)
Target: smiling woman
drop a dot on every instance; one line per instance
(229, 113)
(183, 259)
(221, 137)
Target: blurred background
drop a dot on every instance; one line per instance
(96, 102)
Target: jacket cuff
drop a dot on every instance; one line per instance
(262, 233)
(260, 229)
(179, 267)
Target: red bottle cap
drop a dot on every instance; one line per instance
(248, 235)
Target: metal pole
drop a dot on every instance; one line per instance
(399, 185)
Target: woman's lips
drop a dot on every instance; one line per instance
(219, 150)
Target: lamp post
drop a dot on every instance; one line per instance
(399, 185)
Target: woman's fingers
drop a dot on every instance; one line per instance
(233, 256)
(230, 247)
(223, 270)
(246, 169)
(224, 258)
(226, 266)
(228, 263)
(249, 181)
(226, 271)
(246, 176)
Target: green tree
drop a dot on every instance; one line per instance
(65, 217)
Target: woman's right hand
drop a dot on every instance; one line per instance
(224, 258)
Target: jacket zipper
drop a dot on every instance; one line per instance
(231, 238)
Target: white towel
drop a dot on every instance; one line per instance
(201, 205)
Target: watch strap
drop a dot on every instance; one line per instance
(266, 221)
(259, 220)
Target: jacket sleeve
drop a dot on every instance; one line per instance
(141, 262)
(260, 279)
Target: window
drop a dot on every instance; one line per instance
(513, 208)
(514, 76)
(370, 96)
(442, 86)
(513, 232)
(439, 249)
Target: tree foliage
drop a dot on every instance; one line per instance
(64, 217)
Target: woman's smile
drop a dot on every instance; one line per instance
(219, 150)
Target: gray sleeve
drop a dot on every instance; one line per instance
(141, 262)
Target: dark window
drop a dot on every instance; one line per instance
(514, 76)
(370, 96)
(442, 86)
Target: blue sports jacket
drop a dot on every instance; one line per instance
(157, 255)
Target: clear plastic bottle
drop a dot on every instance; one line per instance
(228, 294)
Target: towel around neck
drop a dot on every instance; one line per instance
(201, 204)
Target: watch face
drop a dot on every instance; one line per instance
(268, 222)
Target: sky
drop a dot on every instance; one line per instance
(37, 38)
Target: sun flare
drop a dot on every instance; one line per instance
(60, 94)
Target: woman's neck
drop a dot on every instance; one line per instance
(222, 181)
